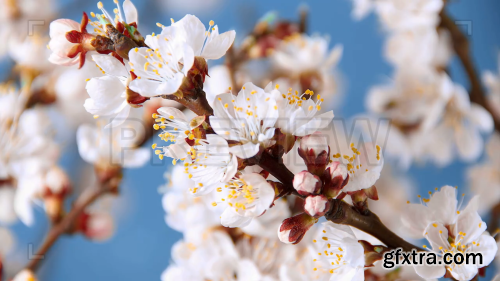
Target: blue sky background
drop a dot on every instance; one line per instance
(140, 249)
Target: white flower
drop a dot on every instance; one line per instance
(70, 91)
(111, 147)
(163, 67)
(206, 43)
(419, 48)
(402, 15)
(414, 100)
(484, 179)
(247, 197)
(298, 116)
(441, 207)
(108, 94)
(176, 128)
(466, 234)
(184, 212)
(213, 165)
(30, 52)
(304, 63)
(461, 126)
(248, 118)
(345, 259)
(301, 53)
(265, 225)
(209, 255)
(363, 164)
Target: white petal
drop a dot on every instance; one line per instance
(469, 143)
(130, 12)
(87, 138)
(169, 112)
(481, 117)
(443, 204)
(430, 272)
(416, 217)
(487, 247)
(120, 117)
(110, 65)
(230, 218)
(245, 151)
(134, 158)
(219, 45)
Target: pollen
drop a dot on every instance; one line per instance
(153, 146)
(211, 23)
(100, 5)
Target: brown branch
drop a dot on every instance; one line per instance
(195, 102)
(462, 49)
(343, 213)
(340, 212)
(67, 223)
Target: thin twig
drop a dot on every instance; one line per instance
(66, 224)
(476, 94)
(462, 49)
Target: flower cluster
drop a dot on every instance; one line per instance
(431, 117)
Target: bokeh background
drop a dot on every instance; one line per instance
(140, 248)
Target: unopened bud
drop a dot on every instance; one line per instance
(306, 183)
(97, 226)
(314, 150)
(293, 229)
(316, 205)
(25, 275)
(57, 181)
(335, 177)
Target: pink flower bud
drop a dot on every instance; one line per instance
(306, 183)
(314, 150)
(335, 178)
(316, 206)
(57, 182)
(293, 229)
(97, 226)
